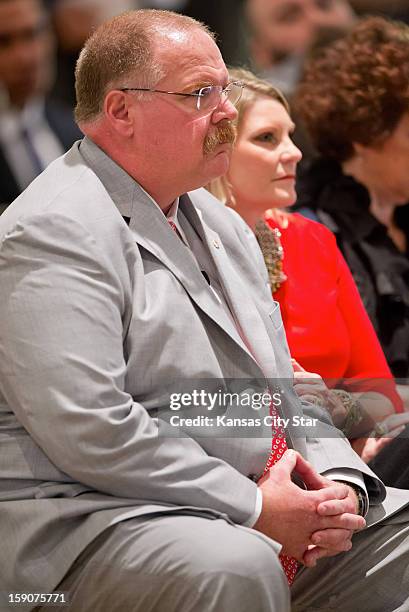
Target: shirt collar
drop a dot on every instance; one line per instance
(173, 211)
(173, 216)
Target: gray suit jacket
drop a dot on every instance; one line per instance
(102, 310)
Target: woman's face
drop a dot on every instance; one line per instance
(290, 26)
(386, 166)
(264, 158)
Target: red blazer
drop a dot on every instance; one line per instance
(328, 329)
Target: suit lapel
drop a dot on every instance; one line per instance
(247, 317)
(151, 231)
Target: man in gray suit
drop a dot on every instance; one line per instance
(119, 291)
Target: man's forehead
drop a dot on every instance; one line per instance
(185, 54)
(170, 36)
(196, 42)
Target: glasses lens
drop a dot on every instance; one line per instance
(233, 92)
(209, 97)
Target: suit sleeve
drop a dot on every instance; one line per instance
(63, 373)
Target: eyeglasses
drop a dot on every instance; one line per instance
(207, 98)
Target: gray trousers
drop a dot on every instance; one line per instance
(194, 564)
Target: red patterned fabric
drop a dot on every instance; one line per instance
(278, 448)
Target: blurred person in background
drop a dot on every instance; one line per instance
(327, 328)
(397, 9)
(354, 101)
(74, 20)
(34, 130)
(282, 31)
(225, 17)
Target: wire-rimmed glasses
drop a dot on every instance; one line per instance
(207, 98)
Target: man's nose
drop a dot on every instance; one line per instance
(225, 110)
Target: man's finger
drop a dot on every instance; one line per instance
(312, 479)
(352, 522)
(330, 493)
(333, 507)
(312, 555)
(335, 539)
(287, 463)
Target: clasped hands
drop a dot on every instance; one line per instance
(309, 523)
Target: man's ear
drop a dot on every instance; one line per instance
(118, 112)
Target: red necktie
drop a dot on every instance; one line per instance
(278, 448)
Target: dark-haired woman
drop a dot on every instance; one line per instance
(354, 103)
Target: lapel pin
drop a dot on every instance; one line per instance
(216, 244)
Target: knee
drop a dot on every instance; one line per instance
(245, 554)
(242, 571)
(185, 565)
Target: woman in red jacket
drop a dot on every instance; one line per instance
(327, 327)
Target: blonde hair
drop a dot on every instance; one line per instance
(254, 88)
(122, 47)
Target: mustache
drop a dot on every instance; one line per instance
(224, 134)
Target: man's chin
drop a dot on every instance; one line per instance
(218, 167)
(221, 149)
(222, 159)
(226, 153)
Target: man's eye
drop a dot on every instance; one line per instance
(204, 91)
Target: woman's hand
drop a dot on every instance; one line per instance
(381, 436)
(310, 387)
